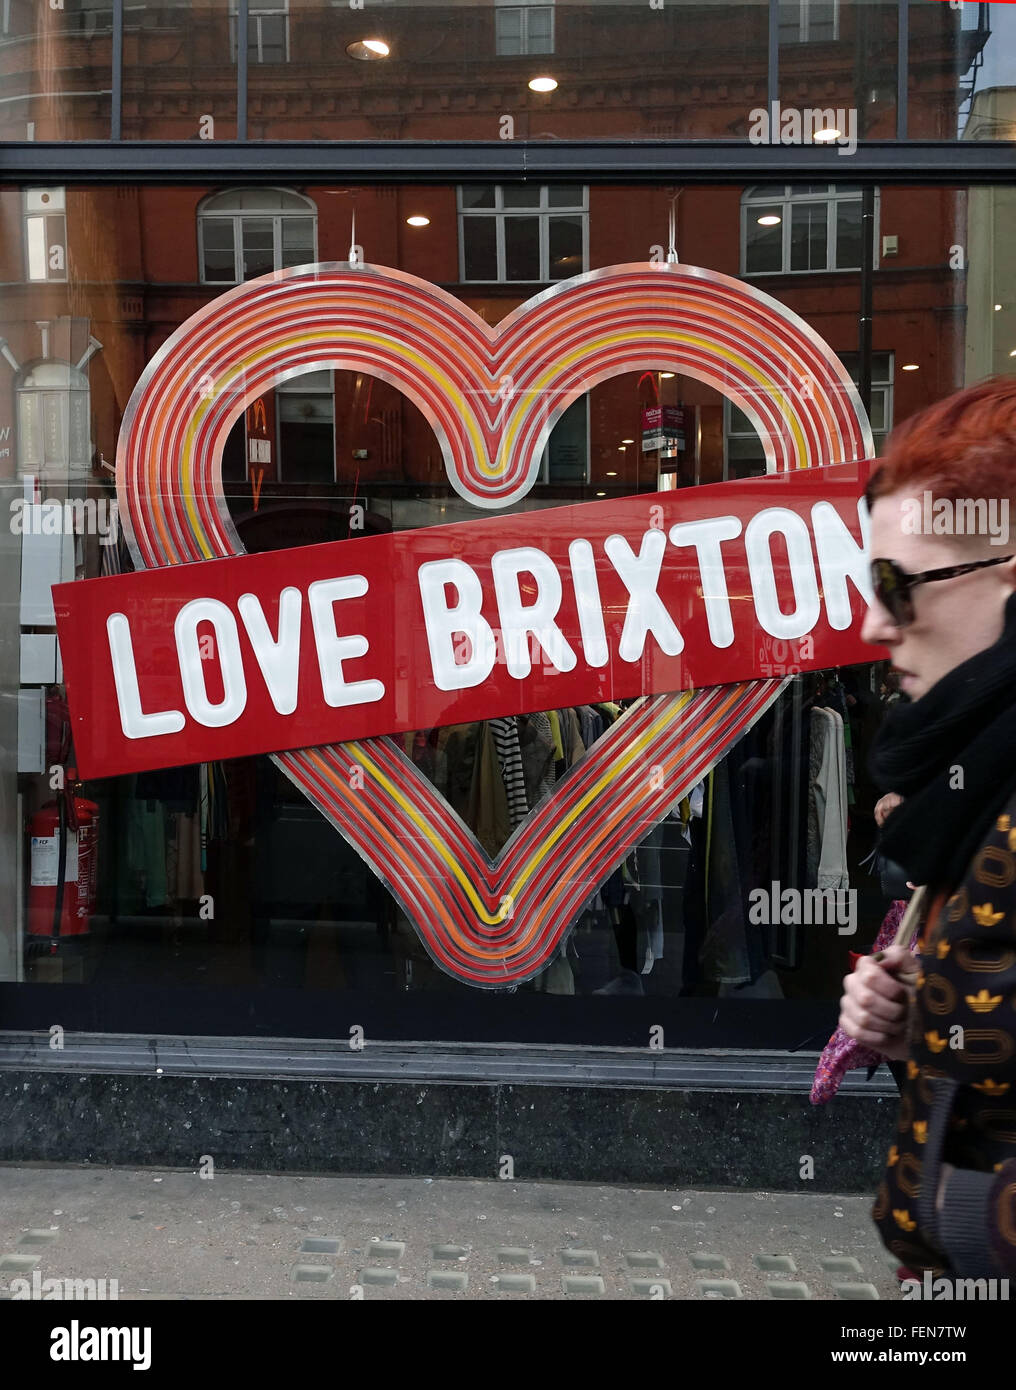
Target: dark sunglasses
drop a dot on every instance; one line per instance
(892, 585)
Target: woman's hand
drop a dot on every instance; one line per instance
(876, 1002)
(884, 805)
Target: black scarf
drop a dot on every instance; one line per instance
(952, 756)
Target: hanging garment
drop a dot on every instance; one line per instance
(831, 804)
(537, 756)
(487, 810)
(509, 755)
(571, 735)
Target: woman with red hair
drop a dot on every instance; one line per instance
(942, 505)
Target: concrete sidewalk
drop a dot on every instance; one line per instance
(167, 1234)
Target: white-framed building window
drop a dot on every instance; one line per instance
(809, 21)
(45, 223)
(743, 455)
(247, 232)
(523, 28)
(267, 33)
(530, 232)
(791, 229)
(305, 425)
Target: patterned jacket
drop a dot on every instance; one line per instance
(958, 1103)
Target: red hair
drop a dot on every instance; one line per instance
(962, 446)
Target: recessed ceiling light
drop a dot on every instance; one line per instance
(1012, 354)
(601, 494)
(769, 219)
(911, 367)
(997, 307)
(825, 136)
(611, 474)
(622, 448)
(666, 376)
(542, 84)
(417, 220)
(627, 441)
(367, 50)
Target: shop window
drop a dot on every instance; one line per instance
(251, 231)
(534, 233)
(267, 34)
(809, 21)
(305, 408)
(790, 229)
(743, 448)
(524, 29)
(54, 418)
(45, 223)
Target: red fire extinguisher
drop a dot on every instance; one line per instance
(63, 879)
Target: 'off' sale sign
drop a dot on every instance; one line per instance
(383, 634)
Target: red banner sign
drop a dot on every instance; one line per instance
(448, 624)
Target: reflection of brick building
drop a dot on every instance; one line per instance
(685, 71)
(136, 258)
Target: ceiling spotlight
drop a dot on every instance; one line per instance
(622, 448)
(910, 367)
(997, 307)
(769, 219)
(1012, 354)
(666, 376)
(367, 50)
(417, 220)
(826, 136)
(627, 441)
(601, 494)
(542, 84)
(611, 473)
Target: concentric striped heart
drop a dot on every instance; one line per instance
(492, 396)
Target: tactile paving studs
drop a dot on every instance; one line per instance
(386, 1277)
(587, 1259)
(447, 1279)
(644, 1259)
(449, 1252)
(841, 1264)
(19, 1263)
(703, 1260)
(776, 1264)
(514, 1255)
(312, 1274)
(516, 1283)
(787, 1288)
(718, 1288)
(582, 1283)
(862, 1291)
(316, 1246)
(387, 1249)
(651, 1288)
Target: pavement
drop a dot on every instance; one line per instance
(171, 1234)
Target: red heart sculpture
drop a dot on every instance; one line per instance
(492, 396)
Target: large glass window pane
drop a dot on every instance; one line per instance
(258, 246)
(522, 248)
(848, 234)
(218, 248)
(808, 236)
(565, 247)
(479, 248)
(764, 239)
